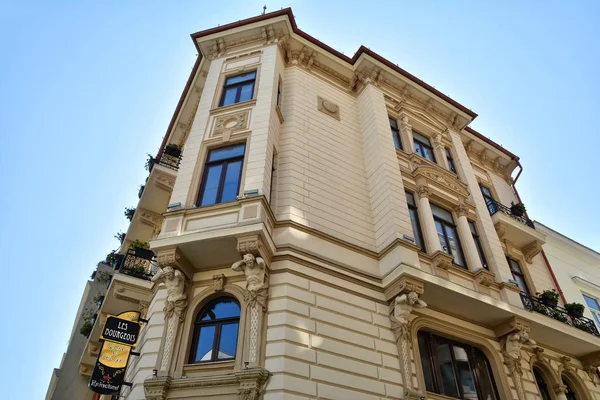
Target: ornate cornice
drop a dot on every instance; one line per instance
(434, 175)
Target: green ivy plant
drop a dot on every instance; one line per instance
(102, 276)
(150, 163)
(87, 326)
(129, 211)
(139, 245)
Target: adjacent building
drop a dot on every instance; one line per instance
(325, 226)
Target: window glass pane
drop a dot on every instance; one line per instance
(226, 152)
(393, 124)
(247, 92)
(542, 386)
(440, 232)
(454, 246)
(514, 265)
(472, 227)
(421, 138)
(397, 142)
(486, 382)
(444, 358)
(225, 308)
(232, 181)
(592, 303)
(428, 154)
(426, 362)
(205, 344)
(228, 341)
(240, 78)
(521, 283)
(465, 377)
(410, 199)
(414, 220)
(229, 96)
(441, 213)
(486, 192)
(211, 185)
(596, 318)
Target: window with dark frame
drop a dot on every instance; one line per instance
(455, 369)
(414, 220)
(570, 394)
(395, 133)
(518, 276)
(478, 245)
(448, 235)
(278, 103)
(216, 331)
(222, 175)
(489, 199)
(450, 160)
(423, 146)
(238, 88)
(541, 384)
(594, 307)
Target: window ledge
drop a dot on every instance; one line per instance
(233, 106)
(191, 370)
(279, 114)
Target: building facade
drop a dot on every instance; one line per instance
(330, 227)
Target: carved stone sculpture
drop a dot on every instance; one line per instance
(400, 318)
(511, 349)
(257, 292)
(175, 305)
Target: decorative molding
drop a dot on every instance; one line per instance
(152, 219)
(254, 245)
(513, 324)
(515, 334)
(403, 285)
(462, 210)
(230, 123)
(591, 360)
(484, 277)
(423, 192)
(442, 260)
(157, 388)
(531, 250)
(173, 257)
(500, 229)
(165, 182)
(218, 282)
(436, 175)
(328, 108)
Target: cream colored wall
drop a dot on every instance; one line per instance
(322, 181)
(503, 190)
(323, 342)
(569, 259)
(141, 367)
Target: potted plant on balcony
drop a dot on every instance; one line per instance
(549, 298)
(129, 211)
(150, 163)
(142, 249)
(88, 324)
(173, 150)
(575, 310)
(517, 209)
(120, 237)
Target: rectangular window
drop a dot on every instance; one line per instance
(222, 175)
(238, 88)
(478, 245)
(447, 234)
(414, 220)
(489, 199)
(279, 93)
(592, 303)
(518, 275)
(395, 133)
(451, 165)
(423, 146)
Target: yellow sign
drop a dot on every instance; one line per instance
(114, 355)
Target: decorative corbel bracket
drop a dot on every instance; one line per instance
(254, 245)
(157, 388)
(404, 285)
(173, 257)
(442, 260)
(484, 277)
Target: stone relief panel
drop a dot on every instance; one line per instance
(327, 107)
(227, 124)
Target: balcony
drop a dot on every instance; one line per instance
(138, 264)
(516, 229)
(170, 159)
(558, 313)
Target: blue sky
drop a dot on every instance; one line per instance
(88, 88)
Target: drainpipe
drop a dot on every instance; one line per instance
(560, 292)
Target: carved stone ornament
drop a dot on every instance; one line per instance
(257, 279)
(157, 388)
(511, 344)
(231, 123)
(531, 250)
(218, 282)
(484, 277)
(442, 260)
(400, 317)
(462, 210)
(327, 107)
(164, 182)
(152, 219)
(423, 192)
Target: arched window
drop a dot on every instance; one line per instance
(541, 383)
(570, 392)
(455, 369)
(216, 331)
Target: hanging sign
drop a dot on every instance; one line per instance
(120, 335)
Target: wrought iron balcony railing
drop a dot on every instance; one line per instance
(494, 206)
(532, 303)
(137, 263)
(169, 160)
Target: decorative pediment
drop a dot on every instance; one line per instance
(436, 176)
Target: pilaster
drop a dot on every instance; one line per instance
(427, 223)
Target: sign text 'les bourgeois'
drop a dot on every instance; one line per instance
(121, 331)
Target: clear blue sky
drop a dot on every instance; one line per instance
(88, 88)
